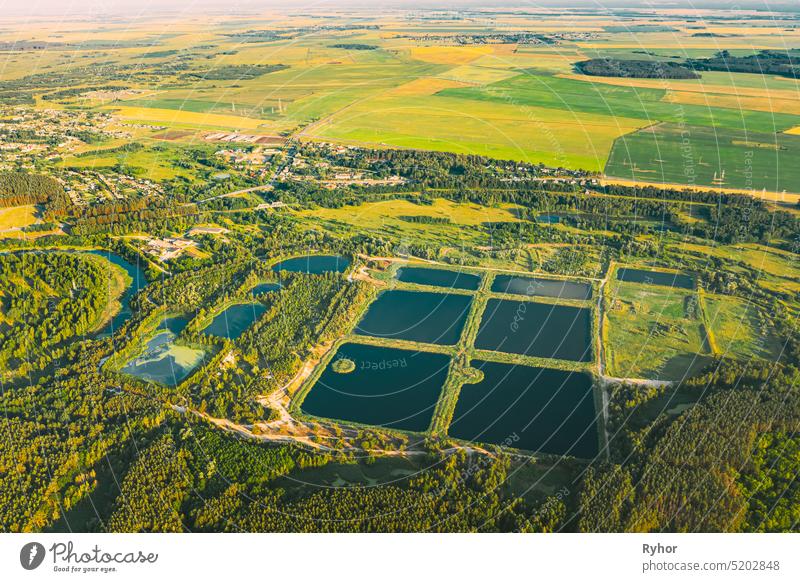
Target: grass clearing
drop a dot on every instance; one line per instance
(380, 214)
(738, 329)
(653, 332)
(16, 217)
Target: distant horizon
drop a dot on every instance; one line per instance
(45, 8)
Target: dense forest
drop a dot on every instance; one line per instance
(705, 470)
(46, 300)
(17, 188)
(765, 62)
(636, 69)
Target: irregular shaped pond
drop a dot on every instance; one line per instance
(138, 282)
(162, 360)
(388, 387)
(232, 322)
(314, 264)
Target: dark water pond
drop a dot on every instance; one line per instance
(174, 324)
(388, 387)
(536, 329)
(162, 360)
(678, 280)
(262, 288)
(232, 322)
(541, 287)
(436, 318)
(536, 409)
(314, 264)
(439, 278)
(548, 219)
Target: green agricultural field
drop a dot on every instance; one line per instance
(530, 116)
(651, 331)
(505, 129)
(647, 104)
(220, 105)
(672, 153)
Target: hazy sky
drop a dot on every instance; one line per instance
(140, 7)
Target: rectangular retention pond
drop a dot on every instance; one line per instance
(383, 387)
(536, 329)
(232, 322)
(439, 278)
(532, 286)
(536, 409)
(434, 318)
(678, 280)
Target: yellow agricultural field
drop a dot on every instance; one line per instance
(477, 75)
(449, 55)
(794, 130)
(766, 103)
(186, 118)
(424, 86)
(783, 197)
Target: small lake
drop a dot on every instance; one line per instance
(439, 278)
(163, 361)
(535, 409)
(262, 288)
(678, 280)
(138, 282)
(542, 287)
(232, 322)
(314, 264)
(388, 387)
(548, 219)
(536, 329)
(434, 318)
